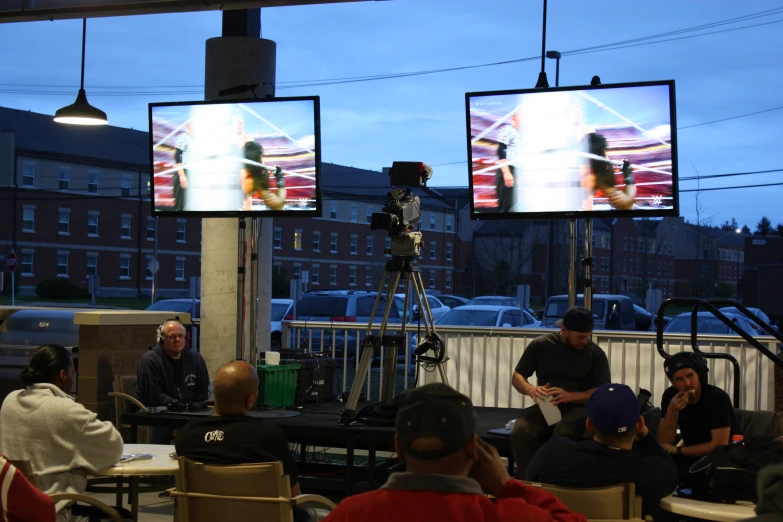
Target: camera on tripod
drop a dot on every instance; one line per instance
(402, 212)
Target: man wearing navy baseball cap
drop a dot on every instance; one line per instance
(622, 450)
(449, 472)
(568, 368)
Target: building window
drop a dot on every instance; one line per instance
(333, 275)
(624, 264)
(27, 264)
(298, 271)
(352, 276)
(448, 279)
(368, 279)
(28, 175)
(432, 279)
(92, 264)
(65, 178)
(28, 218)
(369, 245)
(179, 269)
(449, 223)
(448, 251)
(125, 226)
(315, 273)
(432, 221)
(92, 223)
(147, 268)
(181, 224)
(433, 246)
(62, 265)
(64, 223)
(369, 213)
(353, 213)
(354, 240)
(92, 182)
(151, 225)
(277, 238)
(316, 241)
(125, 267)
(125, 187)
(297, 240)
(333, 211)
(333, 243)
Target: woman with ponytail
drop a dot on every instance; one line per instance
(62, 439)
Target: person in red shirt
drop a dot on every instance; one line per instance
(21, 501)
(450, 472)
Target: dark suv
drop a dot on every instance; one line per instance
(338, 306)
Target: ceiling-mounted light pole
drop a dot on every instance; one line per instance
(81, 112)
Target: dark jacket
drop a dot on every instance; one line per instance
(158, 385)
(770, 486)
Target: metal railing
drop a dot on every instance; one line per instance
(482, 360)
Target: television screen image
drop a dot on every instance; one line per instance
(608, 150)
(230, 158)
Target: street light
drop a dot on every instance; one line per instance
(555, 55)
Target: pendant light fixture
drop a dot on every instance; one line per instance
(81, 112)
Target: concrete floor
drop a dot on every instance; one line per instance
(151, 508)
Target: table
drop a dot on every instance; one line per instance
(161, 464)
(708, 510)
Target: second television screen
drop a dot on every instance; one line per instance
(608, 150)
(233, 158)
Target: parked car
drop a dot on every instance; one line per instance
(282, 309)
(493, 300)
(453, 301)
(185, 306)
(642, 318)
(436, 305)
(38, 327)
(759, 313)
(610, 312)
(707, 323)
(342, 306)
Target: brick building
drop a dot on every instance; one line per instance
(762, 279)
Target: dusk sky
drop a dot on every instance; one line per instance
(132, 61)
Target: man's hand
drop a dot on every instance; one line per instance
(539, 392)
(678, 402)
(508, 179)
(489, 470)
(560, 396)
(666, 447)
(183, 181)
(642, 433)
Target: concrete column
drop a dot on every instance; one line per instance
(230, 62)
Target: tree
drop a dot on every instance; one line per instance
(280, 286)
(763, 227)
(780, 229)
(502, 256)
(745, 229)
(729, 226)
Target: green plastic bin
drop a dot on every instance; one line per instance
(277, 384)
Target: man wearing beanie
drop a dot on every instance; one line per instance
(449, 472)
(568, 368)
(622, 450)
(703, 413)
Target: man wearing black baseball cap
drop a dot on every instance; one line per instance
(703, 413)
(568, 368)
(449, 472)
(611, 457)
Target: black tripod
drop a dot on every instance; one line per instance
(395, 268)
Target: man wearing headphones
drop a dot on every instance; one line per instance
(703, 412)
(170, 372)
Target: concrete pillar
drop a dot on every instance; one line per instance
(232, 61)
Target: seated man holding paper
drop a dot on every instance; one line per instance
(568, 368)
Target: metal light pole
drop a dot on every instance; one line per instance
(555, 55)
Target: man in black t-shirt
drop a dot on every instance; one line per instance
(703, 413)
(568, 368)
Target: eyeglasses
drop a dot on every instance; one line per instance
(175, 337)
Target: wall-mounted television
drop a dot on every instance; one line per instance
(236, 158)
(599, 151)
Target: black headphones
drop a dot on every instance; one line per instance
(161, 334)
(697, 360)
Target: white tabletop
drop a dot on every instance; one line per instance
(708, 510)
(160, 463)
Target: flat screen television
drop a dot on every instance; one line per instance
(599, 151)
(236, 158)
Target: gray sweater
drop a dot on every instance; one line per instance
(62, 439)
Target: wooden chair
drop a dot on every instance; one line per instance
(617, 502)
(124, 390)
(27, 470)
(246, 492)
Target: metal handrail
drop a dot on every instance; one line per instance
(708, 306)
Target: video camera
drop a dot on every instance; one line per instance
(402, 212)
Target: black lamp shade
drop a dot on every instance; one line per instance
(81, 113)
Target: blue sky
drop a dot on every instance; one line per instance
(421, 118)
